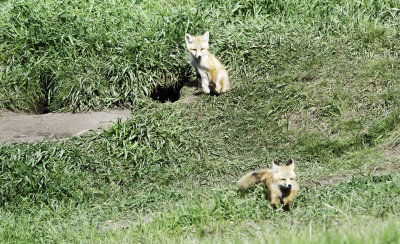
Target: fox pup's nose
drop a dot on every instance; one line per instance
(290, 185)
(198, 56)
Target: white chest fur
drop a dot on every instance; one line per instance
(202, 68)
(200, 64)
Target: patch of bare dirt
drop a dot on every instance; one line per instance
(333, 179)
(376, 171)
(18, 127)
(188, 93)
(392, 148)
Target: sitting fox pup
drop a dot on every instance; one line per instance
(207, 67)
(280, 183)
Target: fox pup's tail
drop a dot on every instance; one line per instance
(252, 178)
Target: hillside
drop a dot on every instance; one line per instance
(317, 81)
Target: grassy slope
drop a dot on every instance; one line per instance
(314, 81)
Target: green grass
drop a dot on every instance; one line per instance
(78, 55)
(313, 80)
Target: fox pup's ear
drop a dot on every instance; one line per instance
(206, 36)
(275, 165)
(188, 38)
(290, 163)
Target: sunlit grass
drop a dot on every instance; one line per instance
(315, 81)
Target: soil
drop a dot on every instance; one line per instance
(18, 127)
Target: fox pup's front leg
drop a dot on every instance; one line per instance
(198, 77)
(288, 201)
(274, 197)
(203, 81)
(205, 84)
(287, 204)
(275, 200)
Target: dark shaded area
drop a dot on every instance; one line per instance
(171, 93)
(39, 107)
(166, 94)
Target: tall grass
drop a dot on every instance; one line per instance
(78, 55)
(312, 80)
(79, 170)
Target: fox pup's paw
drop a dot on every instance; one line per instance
(205, 90)
(197, 91)
(200, 91)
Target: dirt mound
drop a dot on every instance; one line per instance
(16, 127)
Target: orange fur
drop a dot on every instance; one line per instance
(207, 66)
(279, 181)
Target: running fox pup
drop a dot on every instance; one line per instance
(280, 183)
(207, 66)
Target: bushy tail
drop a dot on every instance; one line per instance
(251, 179)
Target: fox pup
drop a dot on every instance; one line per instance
(280, 183)
(207, 66)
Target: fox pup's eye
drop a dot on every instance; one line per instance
(194, 50)
(203, 49)
(282, 178)
(291, 178)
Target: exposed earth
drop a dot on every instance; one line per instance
(18, 127)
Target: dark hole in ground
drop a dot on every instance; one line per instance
(166, 94)
(40, 106)
(172, 93)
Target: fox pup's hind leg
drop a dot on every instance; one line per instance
(225, 82)
(218, 83)
(222, 82)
